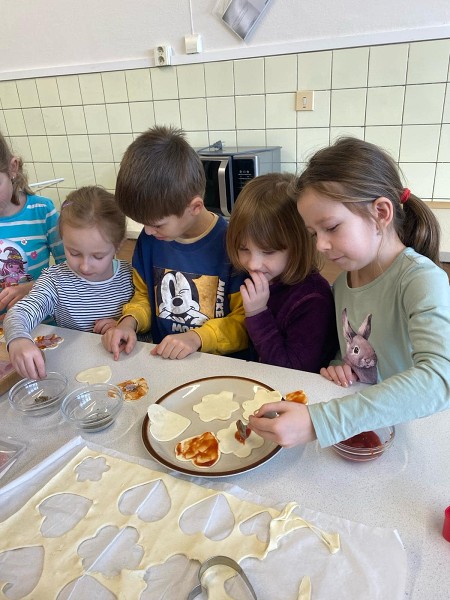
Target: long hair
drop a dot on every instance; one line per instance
(20, 182)
(266, 213)
(356, 172)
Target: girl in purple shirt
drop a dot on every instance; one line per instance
(289, 307)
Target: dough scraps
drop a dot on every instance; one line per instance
(261, 397)
(166, 425)
(48, 342)
(117, 504)
(202, 450)
(229, 444)
(298, 396)
(133, 389)
(95, 375)
(216, 406)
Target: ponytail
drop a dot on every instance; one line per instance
(420, 229)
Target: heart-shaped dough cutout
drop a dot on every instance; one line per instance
(95, 375)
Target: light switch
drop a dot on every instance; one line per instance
(304, 100)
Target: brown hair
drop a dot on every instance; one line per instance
(356, 172)
(159, 176)
(93, 206)
(266, 213)
(20, 181)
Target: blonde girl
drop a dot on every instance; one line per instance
(392, 300)
(87, 291)
(289, 309)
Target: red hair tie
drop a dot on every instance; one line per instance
(405, 195)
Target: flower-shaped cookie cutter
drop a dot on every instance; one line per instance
(212, 580)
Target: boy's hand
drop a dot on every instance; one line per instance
(293, 425)
(340, 374)
(26, 358)
(12, 294)
(119, 339)
(255, 293)
(178, 345)
(102, 325)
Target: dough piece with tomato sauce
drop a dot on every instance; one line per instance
(202, 450)
(231, 443)
(48, 342)
(298, 396)
(133, 389)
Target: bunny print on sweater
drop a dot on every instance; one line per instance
(360, 355)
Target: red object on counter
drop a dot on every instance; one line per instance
(366, 439)
(446, 528)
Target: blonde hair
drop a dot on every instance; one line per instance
(356, 173)
(266, 213)
(20, 181)
(93, 206)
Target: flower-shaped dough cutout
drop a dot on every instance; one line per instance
(91, 469)
(111, 550)
(48, 342)
(230, 444)
(85, 587)
(213, 517)
(261, 397)
(62, 512)
(15, 585)
(133, 389)
(216, 406)
(166, 580)
(150, 501)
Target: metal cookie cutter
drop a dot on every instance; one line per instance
(214, 585)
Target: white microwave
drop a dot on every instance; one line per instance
(228, 170)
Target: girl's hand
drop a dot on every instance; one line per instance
(255, 293)
(119, 339)
(102, 325)
(178, 345)
(12, 294)
(340, 374)
(293, 425)
(26, 358)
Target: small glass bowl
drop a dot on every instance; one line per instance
(37, 397)
(93, 407)
(363, 454)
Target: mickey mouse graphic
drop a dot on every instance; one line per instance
(177, 298)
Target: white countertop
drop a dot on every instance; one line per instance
(407, 489)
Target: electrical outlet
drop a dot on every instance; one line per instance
(304, 100)
(163, 56)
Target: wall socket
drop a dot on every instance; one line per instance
(163, 56)
(304, 100)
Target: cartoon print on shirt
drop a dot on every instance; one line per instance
(13, 270)
(179, 299)
(360, 355)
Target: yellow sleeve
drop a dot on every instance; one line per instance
(139, 305)
(225, 335)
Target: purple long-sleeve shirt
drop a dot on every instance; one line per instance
(298, 328)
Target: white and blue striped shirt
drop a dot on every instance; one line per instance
(74, 302)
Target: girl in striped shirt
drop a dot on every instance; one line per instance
(87, 291)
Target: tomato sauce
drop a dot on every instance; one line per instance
(366, 439)
(202, 450)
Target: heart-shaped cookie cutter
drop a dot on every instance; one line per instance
(208, 586)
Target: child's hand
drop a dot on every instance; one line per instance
(255, 293)
(178, 345)
(102, 325)
(12, 294)
(119, 339)
(340, 374)
(26, 358)
(293, 426)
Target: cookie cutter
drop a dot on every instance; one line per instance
(214, 561)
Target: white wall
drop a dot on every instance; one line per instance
(53, 37)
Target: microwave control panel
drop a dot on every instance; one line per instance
(244, 171)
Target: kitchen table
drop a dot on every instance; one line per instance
(407, 489)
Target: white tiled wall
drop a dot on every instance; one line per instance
(397, 96)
